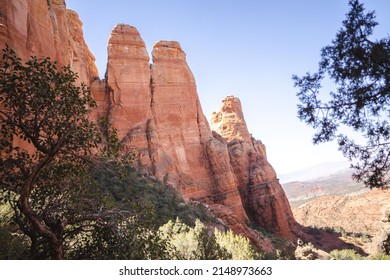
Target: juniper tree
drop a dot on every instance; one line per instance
(359, 67)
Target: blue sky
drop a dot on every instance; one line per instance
(249, 49)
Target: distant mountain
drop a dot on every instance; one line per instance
(314, 172)
(327, 179)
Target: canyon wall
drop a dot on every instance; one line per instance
(156, 110)
(263, 197)
(46, 28)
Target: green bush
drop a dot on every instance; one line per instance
(13, 245)
(187, 243)
(144, 194)
(238, 246)
(380, 257)
(347, 254)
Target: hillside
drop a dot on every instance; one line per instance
(336, 211)
(356, 218)
(354, 213)
(338, 182)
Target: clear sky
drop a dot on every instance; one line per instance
(245, 48)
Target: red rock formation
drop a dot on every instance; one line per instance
(160, 115)
(229, 121)
(180, 128)
(157, 111)
(356, 213)
(263, 198)
(128, 87)
(46, 28)
(81, 59)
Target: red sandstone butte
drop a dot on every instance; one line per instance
(156, 110)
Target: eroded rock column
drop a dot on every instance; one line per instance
(262, 196)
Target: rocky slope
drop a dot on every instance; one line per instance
(338, 183)
(354, 213)
(157, 113)
(357, 221)
(263, 198)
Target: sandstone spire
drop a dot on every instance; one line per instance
(128, 80)
(156, 110)
(263, 197)
(229, 121)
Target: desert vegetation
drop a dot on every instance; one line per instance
(69, 192)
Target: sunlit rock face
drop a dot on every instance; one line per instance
(262, 196)
(229, 121)
(160, 115)
(154, 105)
(156, 110)
(46, 29)
(128, 89)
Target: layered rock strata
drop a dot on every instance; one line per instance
(156, 110)
(46, 28)
(263, 197)
(357, 213)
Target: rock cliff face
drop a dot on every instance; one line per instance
(263, 198)
(156, 110)
(365, 213)
(46, 28)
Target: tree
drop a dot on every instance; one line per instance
(238, 246)
(360, 69)
(186, 243)
(129, 239)
(47, 148)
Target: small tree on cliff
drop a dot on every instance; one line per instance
(45, 155)
(360, 68)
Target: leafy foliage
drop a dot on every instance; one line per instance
(203, 243)
(360, 69)
(347, 254)
(192, 243)
(13, 245)
(126, 239)
(238, 246)
(380, 257)
(46, 146)
(140, 193)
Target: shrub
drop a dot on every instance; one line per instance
(347, 254)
